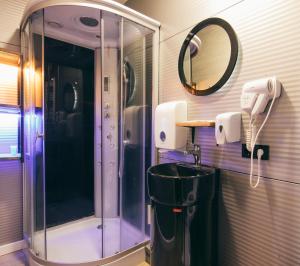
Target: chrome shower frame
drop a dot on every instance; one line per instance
(132, 15)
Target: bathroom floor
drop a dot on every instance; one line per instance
(18, 258)
(79, 241)
(14, 259)
(65, 242)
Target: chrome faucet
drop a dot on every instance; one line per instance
(195, 150)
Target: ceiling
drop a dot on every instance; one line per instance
(63, 23)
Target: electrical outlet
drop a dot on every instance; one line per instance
(247, 154)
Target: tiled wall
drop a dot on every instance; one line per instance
(269, 42)
(11, 190)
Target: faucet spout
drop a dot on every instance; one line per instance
(195, 150)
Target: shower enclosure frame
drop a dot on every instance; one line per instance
(136, 17)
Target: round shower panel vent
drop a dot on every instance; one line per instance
(87, 23)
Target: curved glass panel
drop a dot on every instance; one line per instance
(136, 140)
(71, 218)
(34, 183)
(87, 132)
(110, 91)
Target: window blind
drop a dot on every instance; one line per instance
(9, 102)
(8, 84)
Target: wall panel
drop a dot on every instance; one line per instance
(258, 227)
(11, 187)
(269, 41)
(11, 12)
(177, 15)
(11, 201)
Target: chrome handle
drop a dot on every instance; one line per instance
(38, 135)
(121, 162)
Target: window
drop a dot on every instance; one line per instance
(9, 106)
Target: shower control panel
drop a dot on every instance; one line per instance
(110, 110)
(106, 115)
(106, 111)
(106, 84)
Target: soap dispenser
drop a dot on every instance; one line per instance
(167, 134)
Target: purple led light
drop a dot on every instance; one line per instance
(9, 131)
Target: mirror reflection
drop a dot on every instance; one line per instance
(207, 57)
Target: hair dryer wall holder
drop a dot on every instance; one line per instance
(247, 154)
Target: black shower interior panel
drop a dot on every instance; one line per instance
(69, 128)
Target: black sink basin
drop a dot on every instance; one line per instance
(178, 184)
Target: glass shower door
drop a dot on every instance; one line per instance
(33, 134)
(27, 212)
(135, 145)
(126, 93)
(110, 64)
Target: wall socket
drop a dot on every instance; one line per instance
(247, 154)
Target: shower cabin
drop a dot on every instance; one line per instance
(89, 91)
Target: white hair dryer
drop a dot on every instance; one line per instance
(254, 100)
(257, 94)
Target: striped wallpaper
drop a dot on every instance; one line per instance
(11, 188)
(11, 13)
(257, 227)
(11, 201)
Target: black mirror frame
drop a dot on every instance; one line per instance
(233, 57)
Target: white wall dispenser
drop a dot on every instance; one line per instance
(228, 127)
(167, 134)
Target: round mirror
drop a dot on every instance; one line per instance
(208, 56)
(71, 97)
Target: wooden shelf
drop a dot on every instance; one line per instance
(8, 156)
(196, 123)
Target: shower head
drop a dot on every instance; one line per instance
(89, 21)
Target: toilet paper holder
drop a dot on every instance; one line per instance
(228, 127)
